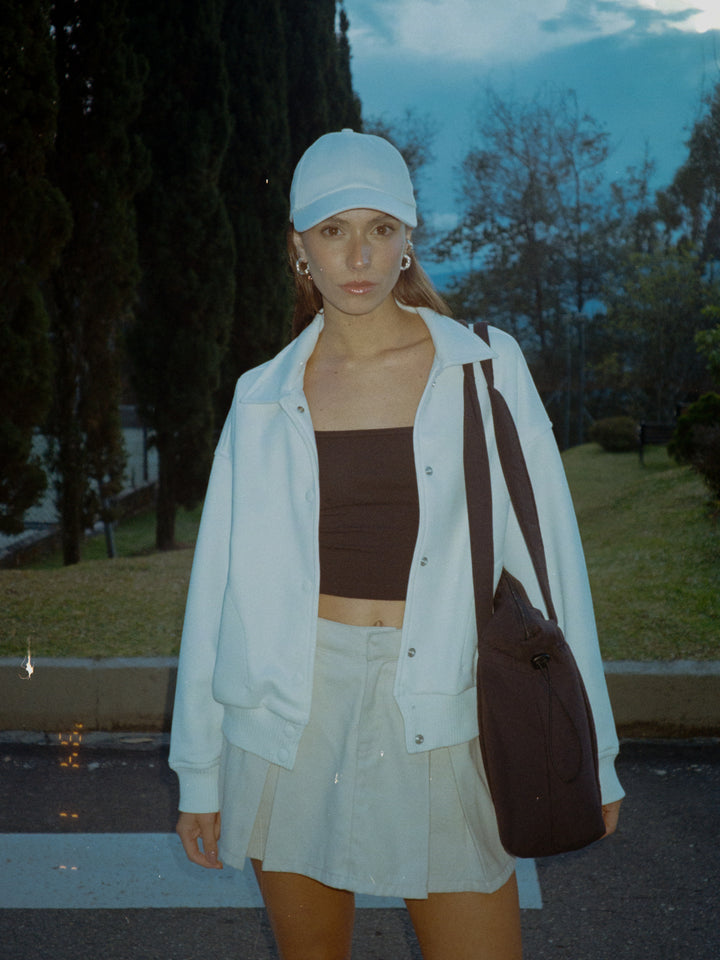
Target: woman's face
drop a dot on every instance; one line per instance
(354, 258)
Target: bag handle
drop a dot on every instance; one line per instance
(517, 480)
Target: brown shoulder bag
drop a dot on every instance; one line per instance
(537, 734)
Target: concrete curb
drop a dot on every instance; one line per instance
(677, 698)
(133, 693)
(658, 699)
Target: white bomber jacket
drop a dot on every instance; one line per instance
(248, 645)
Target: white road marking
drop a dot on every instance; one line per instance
(93, 871)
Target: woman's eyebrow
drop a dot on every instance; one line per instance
(381, 217)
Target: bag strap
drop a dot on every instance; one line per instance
(478, 492)
(517, 480)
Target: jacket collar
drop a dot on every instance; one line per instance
(455, 344)
(283, 375)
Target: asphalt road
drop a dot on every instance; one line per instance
(651, 892)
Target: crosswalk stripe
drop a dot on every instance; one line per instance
(93, 871)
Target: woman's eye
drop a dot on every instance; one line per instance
(384, 229)
(330, 231)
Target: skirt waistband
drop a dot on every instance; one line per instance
(362, 643)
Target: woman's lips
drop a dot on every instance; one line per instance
(358, 286)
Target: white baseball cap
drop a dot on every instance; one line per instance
(349, 171)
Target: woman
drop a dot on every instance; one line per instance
(325, 711)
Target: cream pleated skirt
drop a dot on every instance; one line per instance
(357, 811)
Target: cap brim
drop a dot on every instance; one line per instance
(353, 198)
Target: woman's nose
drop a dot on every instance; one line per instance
(359, 253)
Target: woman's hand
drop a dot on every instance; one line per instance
(611, 812)
(206, 826)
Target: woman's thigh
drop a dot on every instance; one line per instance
(469, 926)
(309, 920)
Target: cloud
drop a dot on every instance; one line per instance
(371, 21)
(613, 16)
(512, 31)
(590, 17)
(470, 30)
(698, 17)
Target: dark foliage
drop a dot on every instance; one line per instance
(36, 224)
(697, 440)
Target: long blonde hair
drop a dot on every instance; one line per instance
(413, 289)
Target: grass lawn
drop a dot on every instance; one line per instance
(131, 606)
(653, 555)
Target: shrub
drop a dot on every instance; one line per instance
(696, 440)
(615, 434)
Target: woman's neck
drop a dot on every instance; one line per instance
(365, 335)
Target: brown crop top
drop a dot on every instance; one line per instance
(369, 512)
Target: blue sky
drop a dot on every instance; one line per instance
(638, 66)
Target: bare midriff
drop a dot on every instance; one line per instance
(361, 613)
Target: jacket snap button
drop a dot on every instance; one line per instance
(301, 409)
(428, 471)
(411, 652)
(419, 738)
(424, 562)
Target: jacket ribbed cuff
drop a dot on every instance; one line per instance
(199, 789)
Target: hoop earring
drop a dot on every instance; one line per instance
(406, 258)
(302, 268)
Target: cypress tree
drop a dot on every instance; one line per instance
(98, 167)
(345, 107)
(186, 245)
(36, 224)
(311, 68)
(254, 183)
(320, 94)
(290, 79)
